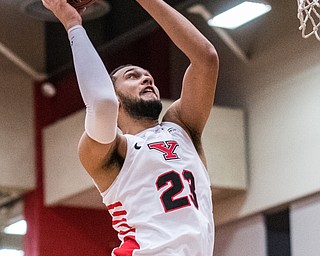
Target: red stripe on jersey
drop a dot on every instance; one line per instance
(125, 225)
(126, 249)
(119, 213)
(115, 222)
(112, 206)
(122, 233)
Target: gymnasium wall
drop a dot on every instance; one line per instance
(16, 126)
(280, 90)
(246, 237)
(61, 230)
(16, 103)
(305, 226)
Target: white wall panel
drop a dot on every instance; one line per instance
(246, 237)
(305, 226)
(64, 175)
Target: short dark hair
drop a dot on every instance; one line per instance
(111, 74)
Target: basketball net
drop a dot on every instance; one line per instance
(308, 14)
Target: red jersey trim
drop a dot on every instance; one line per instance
(126, 249)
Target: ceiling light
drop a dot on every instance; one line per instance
(11, 252)
(239, 15)
(17, 228)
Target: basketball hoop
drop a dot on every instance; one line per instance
(308, 14)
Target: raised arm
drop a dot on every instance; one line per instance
(198, 89)
(96, 89)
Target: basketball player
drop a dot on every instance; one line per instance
(152, 178)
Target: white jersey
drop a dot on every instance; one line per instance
(160, 202)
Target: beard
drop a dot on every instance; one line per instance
(141, 109)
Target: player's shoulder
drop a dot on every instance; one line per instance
(172, 116)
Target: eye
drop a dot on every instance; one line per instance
(131, 75)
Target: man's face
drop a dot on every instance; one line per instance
(136, 82)
(137, 93)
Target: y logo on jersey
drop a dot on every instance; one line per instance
(167, 148)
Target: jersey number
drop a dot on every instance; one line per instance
(169, 198)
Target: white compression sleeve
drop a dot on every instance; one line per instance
(95, 86)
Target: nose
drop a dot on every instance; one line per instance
(147, 80)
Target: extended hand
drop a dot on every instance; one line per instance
(67, 15)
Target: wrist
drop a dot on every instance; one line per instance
(70, 18)
(70, 24)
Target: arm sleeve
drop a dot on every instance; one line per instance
(95, 86)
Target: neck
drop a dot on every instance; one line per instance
(134, 126)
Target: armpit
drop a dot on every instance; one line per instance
(114, 160)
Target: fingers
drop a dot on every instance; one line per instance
(82, 10)
(67, 15)
(45, 4)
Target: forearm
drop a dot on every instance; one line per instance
(96, 88)
(180, 30)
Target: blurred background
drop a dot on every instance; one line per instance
(262, 139)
